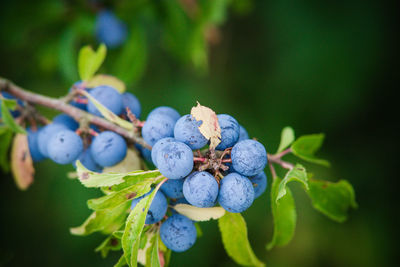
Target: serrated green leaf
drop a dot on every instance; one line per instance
(234, 237)
(7, 118)
(152, 257)
(111, 243)
(287, 138)
(298, 174)
(306, 146)
(89, 61)
(115, 199)
(108, 114)
(284, 216)
(6, 138)
(94, 179)
(332, 199)
(106, 221)
(134, 227)
(121, 262)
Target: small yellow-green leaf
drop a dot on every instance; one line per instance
(199, 214)
(104, 79)
(306, 146)
(89, 61)
(298, 174)
(7, 118)
(21, 162)
(6, 138)
(287, 137)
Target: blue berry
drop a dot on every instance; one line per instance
(65, 147)
(157, 127)
(110, 30)
(160, 143)
(175, 160)
(158, 207)
(236, 193)
(145, 153)
(229, 131)
(33, 145)
(164, 110)
(201, 189)
(187, 131)
(243, 134)
(108, 149)
(87, 160)
(173, 188)
(249, 157)
(178, 233)
(66, 120)
(108, 97)
(260, 184)
(131, 101)
(45, 135)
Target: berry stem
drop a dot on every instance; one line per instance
(226, 161)
(199, 159)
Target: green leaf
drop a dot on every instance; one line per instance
(287, 138)
(306, 146)
(134, 227)
(118, 234)
(8, 119)
(152, 257)
(332, 199)
(121, 262)
(298, 174)
(94, 179)
(198, 230)
(234, 237)
(115, 199)
(284, 216)
(89, 61)
(106, 221)
(6, 138)
(108, 114)
(111, 243)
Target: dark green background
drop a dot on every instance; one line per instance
(314, 65)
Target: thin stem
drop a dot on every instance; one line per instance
(199, 159)
(272, 168)
(283, 153)
(77, 114)
(276, 160)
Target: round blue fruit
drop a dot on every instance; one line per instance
(110, 30)
(108, 149)
(66, 120)
(33, 145)
(164, 110)
(145, 153)
(229, 131)
(129, 100)
(87, 160)
(158, 207)
(259, 183)
(45, 134)
(173, 188)
(178, 233)
(187, 131)
(249, 157)
(201, 189)
(108, 97)
(243, 135)
(175, 160)
(159, 144)
(236, 193)
(157, 127)
(65, 147)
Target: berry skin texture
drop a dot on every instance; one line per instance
(45, 134)
(110, 30)
(164, 110)
(178, 233)
(249, 157)
(108, 149)
(33, 145)
(159, 144)
(129, 100)
(230, 130)
(260, 184)
(175, 160)
(157, 127)
(187, 131)
(65, 147)
(158, 207)
(108, 97)
(173, 188)
(201, 189)
(67, 121)
(87, 160)
(243, 135)
(236, 193)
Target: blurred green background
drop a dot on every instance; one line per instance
(316, 66)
